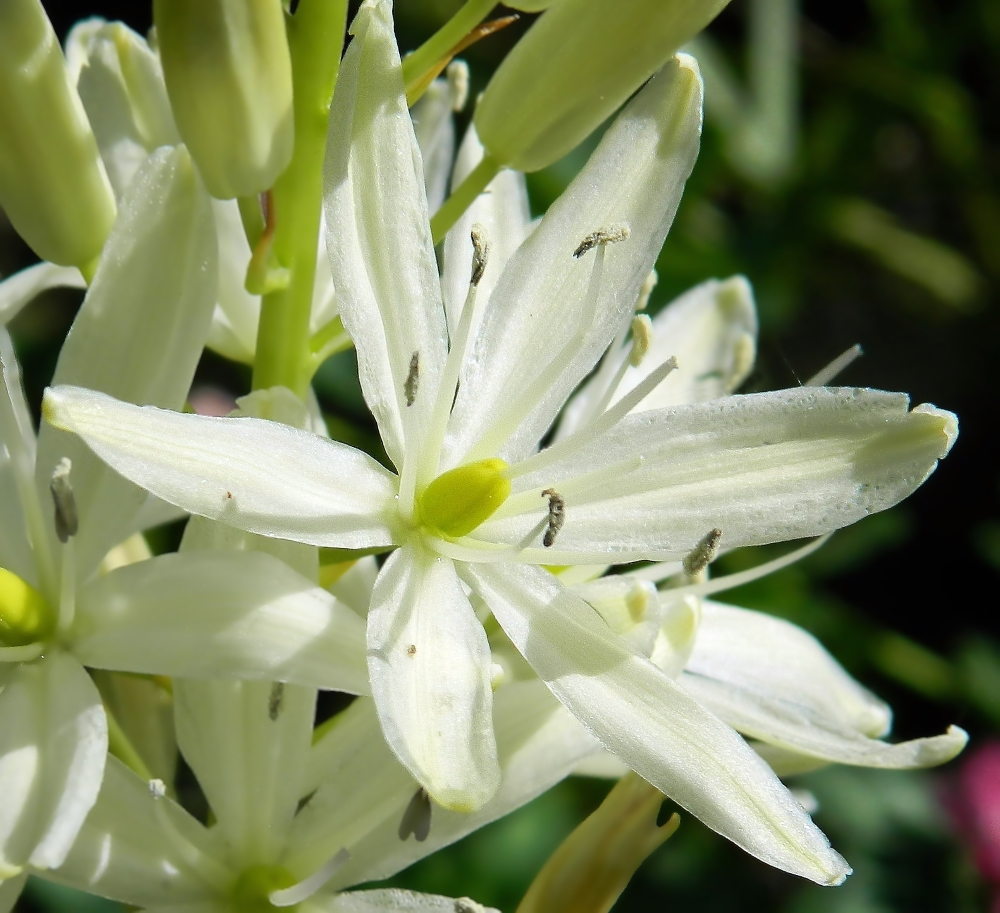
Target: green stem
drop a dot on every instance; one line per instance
(445, 38)
(315, 39)
(453, 208)
(122, 748)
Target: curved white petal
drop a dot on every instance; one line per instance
(18, 290)
(712, 332)
(774, 659)
(378, 235)
(53, 743)
(233, 330)
(542, 332)
(503, 212)
(388, 899)
(429, 663)
(257, 475)
(646, 719)
(766, 467)
(147, 313)
(218, 614)
(124, 852)
(248, 744)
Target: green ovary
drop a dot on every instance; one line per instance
(25, 616)
(253, 890)
(459, 500)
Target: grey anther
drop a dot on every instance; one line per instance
(275, 700)
(703, 553)
(67, 520)
(412, 379)
(417, 817)
(556, 518)
(480, 252)
(602, 236)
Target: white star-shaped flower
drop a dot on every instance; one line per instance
(476, 510)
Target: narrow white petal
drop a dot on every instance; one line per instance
(772, 658)
(146, 312)
(53, 742)
(233, 331)
(538, 337)
(248, 743)
(710, 329)
(503, 212)
(260, 476)
(20, 289)
(429, 662)
(217, 614)
(123, 851)
(434, 127)
(784, 722)
(378, 235)
(388, 899)
(539, 743)
(762, 468)
(646, 719)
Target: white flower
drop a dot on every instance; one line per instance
(138, 334)
(475, 508)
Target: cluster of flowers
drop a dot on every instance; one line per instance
(537, 610)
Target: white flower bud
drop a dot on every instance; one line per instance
(229, 78)
(53, 186)
(578, 63)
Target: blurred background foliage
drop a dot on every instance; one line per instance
(850, 169)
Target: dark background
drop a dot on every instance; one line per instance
(898, 102)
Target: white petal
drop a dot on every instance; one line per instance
(123, 851)
(220, 615)
(378, 234)
(642, 716)
(18, 290)
(429, 663)
(247, 743)
(539, 338)
(147, 313)
(434, 128)
(17, 454)
(397, 899)
(53, 742)
(712, 332)
(539, 744)
(784, 722)
(763, 655)
(504, 214)
(234, 322)
(260, 476)
(762, 468)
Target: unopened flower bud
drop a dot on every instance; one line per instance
(579, 62)
(53, 186)
(229, 78)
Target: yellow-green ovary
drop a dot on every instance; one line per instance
(459, 500)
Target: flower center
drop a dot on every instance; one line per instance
(459, 500)
(253, 890)
(25, 616)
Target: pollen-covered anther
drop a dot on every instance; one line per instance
(458, 84)
(602, 236)
(703, 554)
(648, 284)
(67, 520)
(157, 788)
(274, 701)
(480, 253)
(556, 518)
(412, 379)
(642, 339)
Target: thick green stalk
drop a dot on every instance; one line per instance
(315, 38)
(444, 39)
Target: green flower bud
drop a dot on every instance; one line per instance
(459, 500)
(578, 63)
(229, 78)
(53, 186)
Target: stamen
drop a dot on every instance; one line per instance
(275, 701)
(297, 893)
(67, 588)
(602, 236)
(412, 380)
(480, 253)
(417, 817)
(703, 553)
(458, 84)
(67, 520)
(648, 284)
(556, 517)
(825, 375)
(642, 339)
